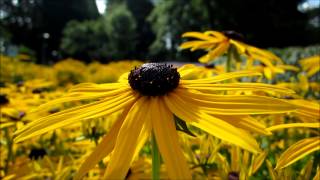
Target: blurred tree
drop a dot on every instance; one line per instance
(121, 29)
(111, 37)
(85, 40)
(170, 19)
(264, 23)
(140, 10)
(29, 20)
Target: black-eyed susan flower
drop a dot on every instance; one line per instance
(148, 100)
(218, 43)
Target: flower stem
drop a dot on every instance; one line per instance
(10, 153)
(229, 59)
(155, 159)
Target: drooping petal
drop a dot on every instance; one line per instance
(127, 140)
(241, 47)
(194, 45)
(211, 124)
(103, 148)
(297, 151)
(215, 52)
(167, 140)
(294, 125)
(63, 118)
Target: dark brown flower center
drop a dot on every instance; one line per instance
(234, 35)
(154, 79)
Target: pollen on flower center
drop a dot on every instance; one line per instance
(154, 79)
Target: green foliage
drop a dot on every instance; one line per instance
(121, 30)
(170, 19)
(87, 38)
(111, 36)
(291, 55)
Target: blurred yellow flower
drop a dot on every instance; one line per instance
(218, 43)
(311, 64)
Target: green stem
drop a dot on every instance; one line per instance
(155, 159)
(229, 59)
(10, 153)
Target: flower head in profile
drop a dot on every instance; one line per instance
(148, 100)
(218, 43)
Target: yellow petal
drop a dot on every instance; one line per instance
(127, 140)
(194, 45)
(272, 173)
(167, 140)
(63, 118)
(91, 87)
(216, 34)
(294, 125)
(258, 161)
(297, 151)
(317, 176)
(124, 78)
(305, 173)
(267, 73)
(220, 77)
(216, 52)
(104, 147)
(199, 35)
(247, 123)
(239, 86)
(241, 47)
(211, 124)
(234, 104)
(77, 95)
(312, 71)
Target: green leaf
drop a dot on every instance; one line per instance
(182, 126)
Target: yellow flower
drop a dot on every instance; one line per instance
(149, 99)
(311, 65)
(217, 43)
